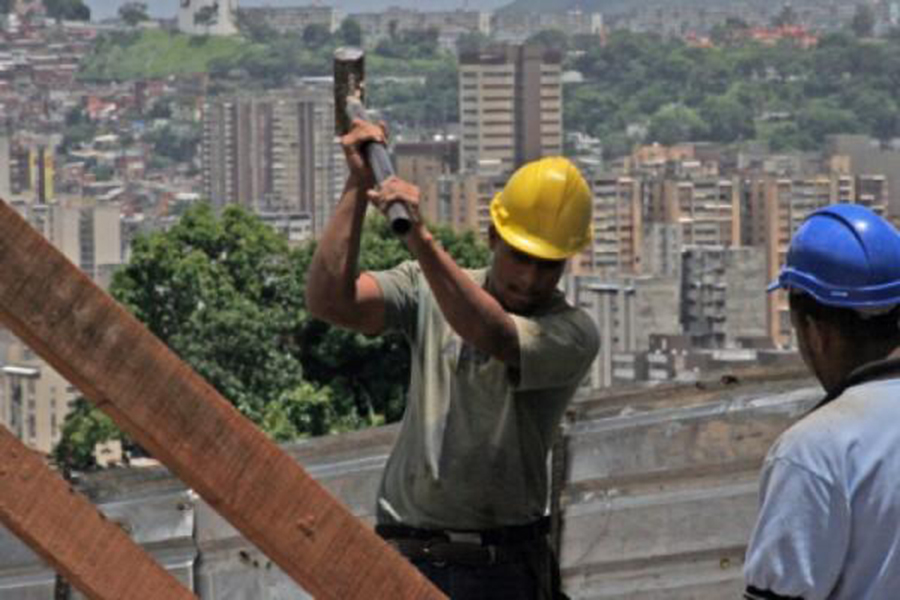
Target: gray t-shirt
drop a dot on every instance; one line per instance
(829, 520)
(475, 436)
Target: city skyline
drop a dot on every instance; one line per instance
(108, 9)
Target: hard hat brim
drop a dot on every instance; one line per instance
(853, 298)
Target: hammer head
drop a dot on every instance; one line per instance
(349, 85)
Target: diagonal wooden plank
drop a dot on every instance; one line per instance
(177, 416)
(70, 534)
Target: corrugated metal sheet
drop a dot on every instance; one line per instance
(659, 498)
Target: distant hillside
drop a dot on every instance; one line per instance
(608, 7)
(156, 53)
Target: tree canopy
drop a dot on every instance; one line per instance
(71, 10)
(133, 13)
(843, 85)
(226, 294)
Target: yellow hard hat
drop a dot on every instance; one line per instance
(545, 209)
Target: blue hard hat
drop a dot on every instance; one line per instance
(844, 255)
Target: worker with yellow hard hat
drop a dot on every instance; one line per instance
(497, 355)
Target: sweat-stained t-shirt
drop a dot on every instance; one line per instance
(829, 520)
(473, 445)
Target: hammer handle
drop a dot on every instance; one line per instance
(380, 162)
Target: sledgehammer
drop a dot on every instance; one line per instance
(349, 104)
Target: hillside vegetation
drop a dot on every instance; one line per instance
(637, 87)
(152, 53)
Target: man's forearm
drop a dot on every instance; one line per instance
(471, 311)
(331, 279)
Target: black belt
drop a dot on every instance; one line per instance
(473, 547)
(498, 536)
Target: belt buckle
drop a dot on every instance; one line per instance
(464, 537)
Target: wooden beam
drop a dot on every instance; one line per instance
(71, 535)
(184, 422)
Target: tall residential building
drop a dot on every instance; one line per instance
(424, 164)
(208, 17)
(89, 235)
(464, 200)
(706, 208)
(27, 166)
(510, 100)
(274, 152)
(866, 157)
(775, 207)
(617, 246)
(34, 398)
(722, 297)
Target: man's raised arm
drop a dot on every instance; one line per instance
(335, 291)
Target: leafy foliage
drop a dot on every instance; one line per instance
(727, 93)
(71, 10)
(178, 145)
(226, 294)
(84, 428)
(133, 13)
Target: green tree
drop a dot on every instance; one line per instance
(70, 10)
(676, 123)
(552, 39)
(133, 13)
(179, 145)
(253, 27)
(728, 120)
(786, 16)
(316, 35)
(471, 42)
(350, 32)
(411, 44)
(84, 428)
(226, 294)
(731, 31)
(863, 22)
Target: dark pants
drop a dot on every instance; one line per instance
(510, 581)
(508, 563)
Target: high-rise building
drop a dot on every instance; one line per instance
(775, 207)
(722, 297)
(510, 100)
(274, 152)
(706, 208)
(464, 200)
(617, 246)
(88, 235)
(34, 398)
(424, 164)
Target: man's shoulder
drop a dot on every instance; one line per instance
(576, 323)
(824, 438)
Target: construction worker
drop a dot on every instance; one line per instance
(829, 520)
(497, 354)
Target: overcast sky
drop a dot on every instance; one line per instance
(103, 9)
